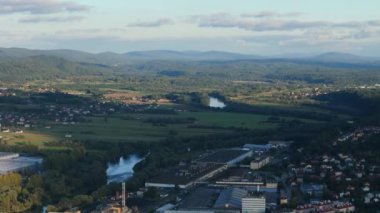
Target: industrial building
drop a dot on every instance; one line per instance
(258, 147)
(227, 157)
(185, 176)
(253, 204)
(202, 211)
(260, 162)
(230, 198)
(246, 178)
(13, 162)
(202, 169)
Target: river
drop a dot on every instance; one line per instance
(122, 170)
(216, 103)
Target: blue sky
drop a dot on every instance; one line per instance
(261, 27)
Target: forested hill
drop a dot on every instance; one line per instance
(23, 65)
(53, 68)
(47, 67)
(112, 59)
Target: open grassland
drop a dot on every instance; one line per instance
(136, 127)
(28, 137)
(229, 119)
(118, 129)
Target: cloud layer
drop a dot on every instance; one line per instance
(155, 23)
(40, 6)
(51, 19)
(270, 14)
(223, 20)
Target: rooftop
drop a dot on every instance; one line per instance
(184, 174)
(230, 198)
(223, 156)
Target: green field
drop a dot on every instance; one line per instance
(230, 119)
(118, 128)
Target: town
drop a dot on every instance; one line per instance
(276, 176)
(235, 180)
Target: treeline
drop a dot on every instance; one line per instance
(18, 195)
(278, 111)
(192, 98)
(73, 175)
(358, 102)
(169, 120)
(48, 68)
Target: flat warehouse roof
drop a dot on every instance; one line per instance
(172, 176)
(223, 156)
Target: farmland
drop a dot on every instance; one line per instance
(135, 127)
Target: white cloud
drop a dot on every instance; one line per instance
(225, 20)
(40, 19)
(40, 6)
(270, 14)
(156, 23)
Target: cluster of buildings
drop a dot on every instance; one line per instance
(326, 207)
(4, 92)
(215, 200)
(295, 95)
(225, 180)
(57, 114)
(15, 122)
(187, 175)
(343, 176)
(346, 173)
(14, 162)
(359, 133)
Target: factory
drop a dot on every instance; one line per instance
(185, 176)
(207, 166)
(14, 162)
(228, 157)
(259, 162)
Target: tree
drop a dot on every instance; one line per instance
(152, 193)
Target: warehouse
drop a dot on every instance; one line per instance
(227, 157)
(185, 176)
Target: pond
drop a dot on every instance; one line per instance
(216, 103)
(122, 170)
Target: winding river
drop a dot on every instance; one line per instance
(122, 170)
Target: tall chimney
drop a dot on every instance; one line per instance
(123, 195)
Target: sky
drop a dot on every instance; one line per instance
(259, 27)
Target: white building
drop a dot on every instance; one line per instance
(253, 204)
(260, 162)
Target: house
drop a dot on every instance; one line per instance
(283, 198)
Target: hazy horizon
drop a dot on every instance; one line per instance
(290, 55)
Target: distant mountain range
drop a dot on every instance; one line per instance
(113, 59)
(24, 65)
